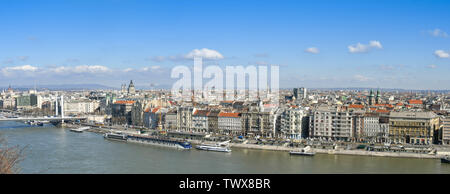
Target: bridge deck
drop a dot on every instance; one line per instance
(42, 119)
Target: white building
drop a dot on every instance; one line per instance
(200, 121)
(293, 123)
(376, 128)
(230, 123)
(80, 107)
(331, 123)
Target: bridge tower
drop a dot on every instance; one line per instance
(62, 108)
(56, 106)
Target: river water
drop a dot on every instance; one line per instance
(57, 150)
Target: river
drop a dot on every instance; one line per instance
(57, 150)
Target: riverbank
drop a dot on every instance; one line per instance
(337, 152)
(440, 153)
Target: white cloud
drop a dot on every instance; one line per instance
(21, 68)
(438, 33)
(8, 71)
(91, 69)
(155, 67)
(442, 54)
(312, 50)
(81, 69)
(204, 53)
(128, 69)
(375, 44)
(362, 48)
(361, 78)
(151, 68)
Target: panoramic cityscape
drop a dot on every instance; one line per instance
(168, 87)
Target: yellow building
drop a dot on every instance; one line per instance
(413, 127)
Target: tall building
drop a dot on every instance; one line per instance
(171, 120)
(184, 118)
(294, 123)
(256, 123)
(299, 93)
(230, 123)
(121, 112)
(200, 121)
(446, 131)
(213, 121)
(376, 128)
(331, 123)
(27, 101)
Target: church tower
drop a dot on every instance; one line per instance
(131, 89)
(371, 98)
(377, 98)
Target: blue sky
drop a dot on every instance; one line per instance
(402, 44)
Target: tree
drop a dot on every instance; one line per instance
(9, 158)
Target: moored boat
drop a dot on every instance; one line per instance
(303, 152)
(116, 136)
(79, 130)
(219, 147)
(445, 159)
(159, 141)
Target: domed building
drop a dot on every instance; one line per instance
(131, 89)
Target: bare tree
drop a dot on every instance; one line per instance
(9, 158)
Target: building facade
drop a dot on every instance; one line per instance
(294, 123)
(413, 127)
(121, 112)
(376, 128)
(230, 123)
(255, 123)
(446, 131)
(200, 121)
(331, 124)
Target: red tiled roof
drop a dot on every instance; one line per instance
(386, 105)
(356, 106)
(125, 102)
(201, 112)
(415, 102)
(225, 114)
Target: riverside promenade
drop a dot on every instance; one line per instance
(342, 151)
(441, 151)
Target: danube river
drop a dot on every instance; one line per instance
(56, 150)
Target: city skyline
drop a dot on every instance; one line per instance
(320, 44)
